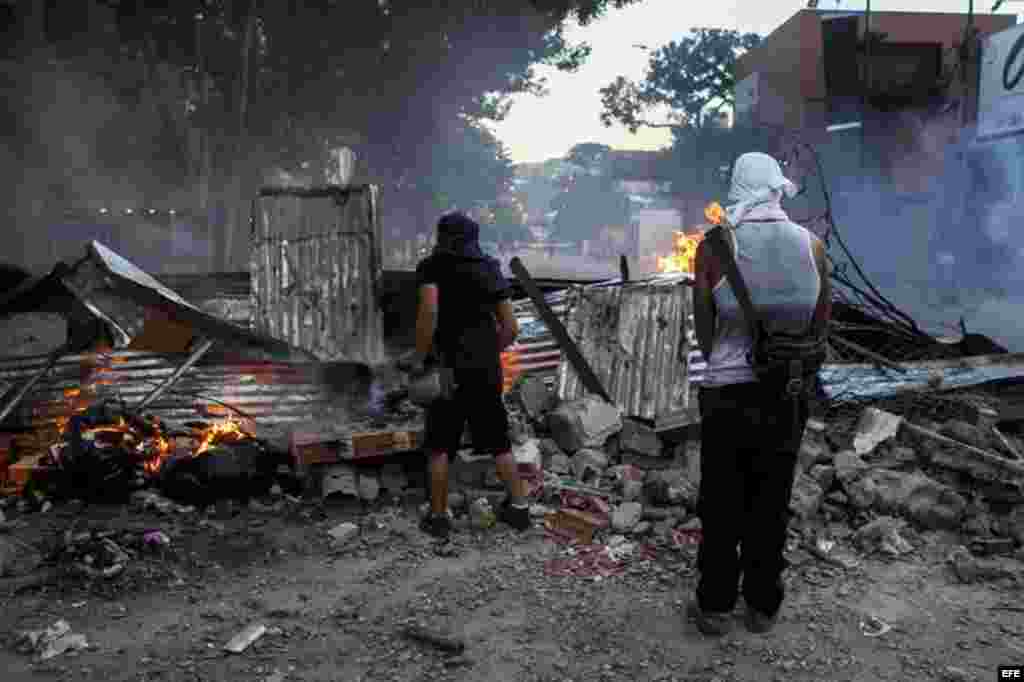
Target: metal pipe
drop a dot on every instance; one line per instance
(198, 353)
(55, 356)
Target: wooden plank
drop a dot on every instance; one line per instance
(557, 329)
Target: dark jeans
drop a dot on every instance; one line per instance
(750, 435)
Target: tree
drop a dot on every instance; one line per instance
(589, 155)
(692, 77)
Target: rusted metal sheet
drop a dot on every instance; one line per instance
(315, 267)
(129, 300)
(638, 338)
(270, 392)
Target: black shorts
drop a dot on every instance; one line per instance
(478, 400)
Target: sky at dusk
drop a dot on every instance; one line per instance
(542, 128)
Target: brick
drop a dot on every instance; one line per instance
(310, 447)
(380, 443)
(581, 524)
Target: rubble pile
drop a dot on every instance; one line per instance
(606, 476)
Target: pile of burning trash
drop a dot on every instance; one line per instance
(106, 453)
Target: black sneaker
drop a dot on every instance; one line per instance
(760, 623)
(438, 525)
(710, 624)
(515, 516)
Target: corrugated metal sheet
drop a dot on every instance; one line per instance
(316, 265)
(538, 353)
(270, 392)
(632, 334)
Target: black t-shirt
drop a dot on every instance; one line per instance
(468, 291)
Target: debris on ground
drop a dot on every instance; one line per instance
(244, 639)
(448, 644)
(54, 641)
(343, 532)
(871, 626)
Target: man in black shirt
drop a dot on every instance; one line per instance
(464, 321)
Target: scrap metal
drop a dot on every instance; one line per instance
(316, 270)
(565, 342)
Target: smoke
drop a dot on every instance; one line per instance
(77, 147)
(928, 212)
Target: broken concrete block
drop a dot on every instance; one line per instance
(340, 479)
(559, 463)
(670, 487)
(585, 422)
(849, 466)
(535, 397)
(626, 516)
(343, 532)
(631, 490)
(806, 497)
(588, 465)
(918, 497)
(932, 505)
(643, 528)
(875, 427)
(639, 439)
(883, 535)
(824, 475)
(369, 486)
(812, 453)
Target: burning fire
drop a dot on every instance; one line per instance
(510, 369)
(684, 253)
(714, 213)
(228, 431)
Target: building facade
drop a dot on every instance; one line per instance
(808, 73)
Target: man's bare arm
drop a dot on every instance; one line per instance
(426, 320)
(703, 299)
(823, 310)
(508, 325)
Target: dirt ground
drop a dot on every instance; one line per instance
(337, 613)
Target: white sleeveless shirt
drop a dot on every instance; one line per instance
(776, 260)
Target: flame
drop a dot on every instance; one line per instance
(684, 253)
(714, 213)
(226, 431)
(510, 369)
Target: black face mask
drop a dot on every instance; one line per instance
(458, 235)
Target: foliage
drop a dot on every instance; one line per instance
(473, 167)
(590, 155)
(690, 77)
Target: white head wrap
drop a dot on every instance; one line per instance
(758, 186)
